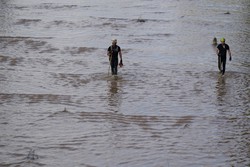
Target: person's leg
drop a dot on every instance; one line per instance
(115, 70)
(224, 59)
(219, 63)
(115, 66)
(112, 67)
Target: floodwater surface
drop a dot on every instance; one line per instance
(168, 107)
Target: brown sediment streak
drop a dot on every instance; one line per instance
(24, 37)
(79, 50)
(12, 60)
(36, 98)
(3, 58)
(183, 120)
(27, 21)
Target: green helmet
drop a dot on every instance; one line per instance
(222, 40)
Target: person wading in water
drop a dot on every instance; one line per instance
(113, 52)
(222, 50)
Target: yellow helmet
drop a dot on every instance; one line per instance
(222, 40)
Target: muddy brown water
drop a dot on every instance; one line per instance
(168, 106)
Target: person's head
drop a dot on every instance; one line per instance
(215, 41)
(222, 40)
(114, 41)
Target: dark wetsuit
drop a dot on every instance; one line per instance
(113, 58)
(222, 57)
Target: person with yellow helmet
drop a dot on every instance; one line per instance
(221, 51)
(113, 52)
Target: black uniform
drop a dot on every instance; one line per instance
(113, 58)
(222, 57)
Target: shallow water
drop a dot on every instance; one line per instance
(168, 106)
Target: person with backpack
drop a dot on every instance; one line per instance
(113, 52)
(222, 50)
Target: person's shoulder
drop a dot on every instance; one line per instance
(227, 46)
(118, 47)
(218, 46)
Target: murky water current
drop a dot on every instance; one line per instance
(168, 106)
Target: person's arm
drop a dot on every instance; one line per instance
(217, 51)
(230, 55)
(120, 54)
(108, 52)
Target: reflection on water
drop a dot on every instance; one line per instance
(221, 88)
(167, 107)
(233, 116)
(115, 93)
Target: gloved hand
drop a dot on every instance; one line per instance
(230, 58)
(121, 64)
